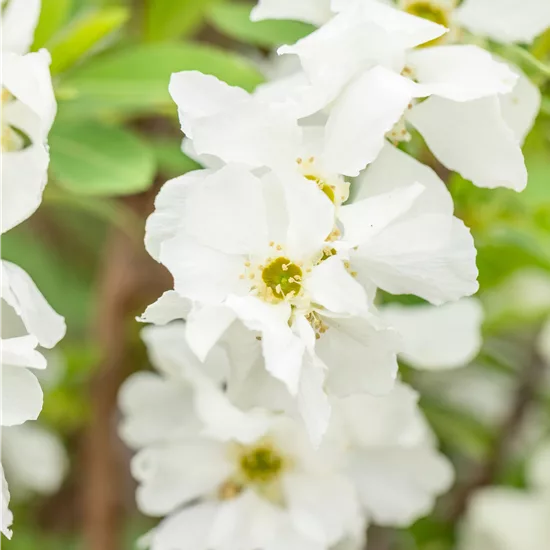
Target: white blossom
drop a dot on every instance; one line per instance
(27, 321)
(28, 110)
(502, 518)
(269, 489)
(370, 48)
(437, 338)
(6, 517)
(34, 459)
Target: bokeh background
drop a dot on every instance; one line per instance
(115, 140)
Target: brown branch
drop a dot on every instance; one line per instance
(128, 281)
(486, 473)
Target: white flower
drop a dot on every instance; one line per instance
(392, 459)
(273, 492)
(270, 489)
(255, 249)
(505, 21)
(363, 61)
(502, 518)
(403, 236)
(437, 338)
(34, 459)
(6, 517)
(19, 20)
(443, 244)
(27, 321)
(28, 110)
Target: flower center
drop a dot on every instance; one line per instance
(283, 277)
(324, 187)
(334, 186)
(261, 465)
(429, 10)
(11, 139)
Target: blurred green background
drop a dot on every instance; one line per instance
(115, 140)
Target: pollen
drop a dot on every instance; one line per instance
(282, 278)
(432, 10)
(261, 464)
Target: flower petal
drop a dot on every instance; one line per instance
(359, 357)
(6, 517)
(399, 485)
(202, 273)
(21, 396)
(430, 256)
(364, 219)
(155, 410)
(316, 12)
(200, 95)
(459, 72)
(168, 217)
(19, 20)
(324, 508)
(332, 287)
(435, 338)
(283, 350)
(34, 458)
(312, 400)
(521, 106)
(20, 292)
(169, 307)
(473, 139)
(397, 419)
(188, 529)
(361, 117)
(510, 21)
(505, 518)
(205, 326)
(227, 212)
(394, 170)
(170, 476)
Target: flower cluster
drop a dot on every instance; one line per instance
(279, 420)
(28, 321)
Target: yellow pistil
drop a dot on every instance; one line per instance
(282, 278)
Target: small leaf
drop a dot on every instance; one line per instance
(96, 159)
(53, 15)
(168, 19)
(233, 19)
(83, 34)
(135, 79)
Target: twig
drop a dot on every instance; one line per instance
(128, 281)
(487, 472)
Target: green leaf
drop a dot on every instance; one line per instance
(168, 19)
(171, 160)
(96, 159)
(537, 192)
(53, 14)
(505, 250)
(233, 19)
(135, 80)
(83, 34)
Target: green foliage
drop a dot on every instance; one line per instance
(53, 16)
(233, 19)
(537, 192)
(83, 34)
(170, 159)
(92, 158)
(168, 19)
(135, 79)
